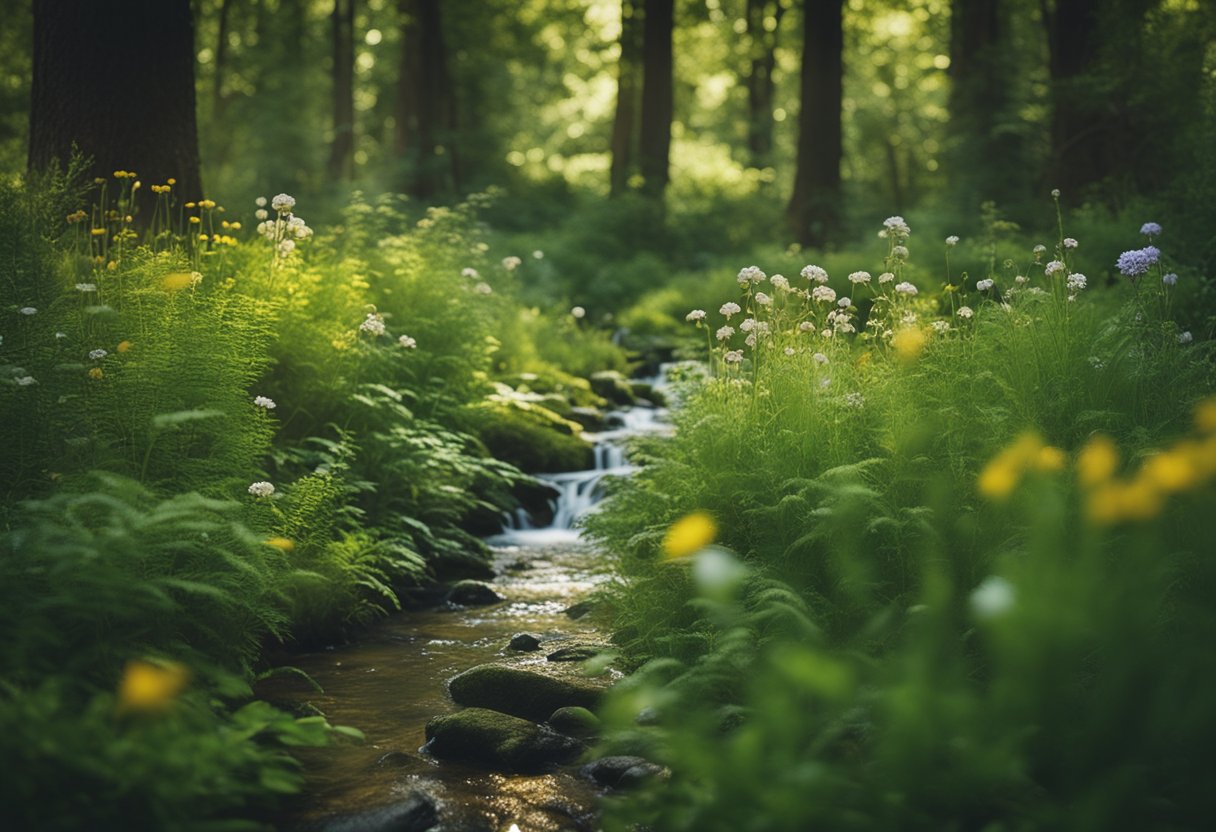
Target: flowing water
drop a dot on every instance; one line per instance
(393, 680)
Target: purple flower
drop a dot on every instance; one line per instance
(1152, 252)
(1137, 261)
(1150, 229)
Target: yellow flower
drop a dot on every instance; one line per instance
(150, 687)
(189, 204)
(1050, 460)
(111, 266)
(96, 373)
(283, 544)
(195, 220)
(1172, 470)
(171, 181)
(123, 346)
(1097, 461)
(97, 232)
(1003, 473)
(908, 342)
(177, 281)
(689, 535)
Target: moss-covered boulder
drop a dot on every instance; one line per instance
(473, 594)
(575, 722)
(533, 445)
(612, 386)
(523, 693)
(499, 741)
(645, 391)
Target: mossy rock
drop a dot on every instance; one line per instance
(471, 593)
(527, 694)
(612, 386)
(648, 392)
(532, 447)
(499, 741)
(575, 722)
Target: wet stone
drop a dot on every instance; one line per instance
(577, 611)
(473, 594)
(622, 772)
(499, 741)
(417, 813)
(575, 722)
(574, 653)
(524, 642)
(523, 693)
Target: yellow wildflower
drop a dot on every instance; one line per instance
(150, 687)
(195, 220)
(1097, 461)
(1050, 459)
(171, 181)
(97, 232)
(177, 281)
(908, 342)
(283, 544)
(111, 266)
(689, 535)
(1172, 470)
(1003, 473)
(96, 373)
(123, 346)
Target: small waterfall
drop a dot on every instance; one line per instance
(579, 491)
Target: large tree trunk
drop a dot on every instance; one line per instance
(115, 78)
(1078, 119)
(814, 209)
(624, 123)
(342, 150)
(654, 144)
(762, 48)
(221, 61)
(426, 114)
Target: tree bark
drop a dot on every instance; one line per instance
(624, 122)
(115, 78)
(427, 121)
(1078, 121)
(761, 88)
(654, 142)
(814, 208)
(221, 61)
(342, 150)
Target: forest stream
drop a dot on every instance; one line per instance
(393, 680)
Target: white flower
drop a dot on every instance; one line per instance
(283, 203)
(374, 324)
(854, 399)
(886, 277)
(265, 230)
(724, 333)
(905, 288)
(511, 263)
(814, 274)
(826, 294)
(61, 335)
(28, 310)
(694, 315)
(407, 342)
(993, 597)
(1039, 251)
(1075, 282)
(844, 303)
(483, 289)
(1169, 279)
(733, 356)
(24, 381)
(940, 326)
(86, 287)
(97, 355)
(750, 340)
(729, 309)
(806, 326)
(264, 402)
(748, 324)
(538, 255)
(580, 312)
(286, 247)
(900, 252)
(261, 489)
(261, 214)
(859, 277)
(896, 226)
(751, 274)
(984, 285)
(260, 202)
(763, 299)
(788, 350)
(1053, 267)
(468, 271)
(964, 312)
(820, 358)
(1185, 337)
(1069, 242)
(1055, 193)
(1020, 279)
(780, 282)
(952, 241)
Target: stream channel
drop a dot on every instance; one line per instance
(393, 680)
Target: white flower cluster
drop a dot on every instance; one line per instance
(285, 229)
(750, 275)
(985, 284)
(965, 312)
(1054, 268)
(697, 315)
(814, 274)
(264, 403)
(580, 313)
(952, 241)
(730, 308)
(823, 294)
(906, 288)
(97, 355)
(511, 263)
(469, 272)
(896, 228)
(780, 282)
(407, 342)
(86, 287)
(261, 489)
(374, 324)
(859, 277)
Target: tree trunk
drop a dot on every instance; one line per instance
(624, 123)
(221, 61)
(342, 150)
(426, 117)
(115, 78)
(654, 144)
(760, 85)
(1078, 120)
(814, 209)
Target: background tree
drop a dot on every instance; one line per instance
(814, 207)
(763, 25)
(624, 122)
(658, 98)
(427, 116)
(115, 78)
(342, 148)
